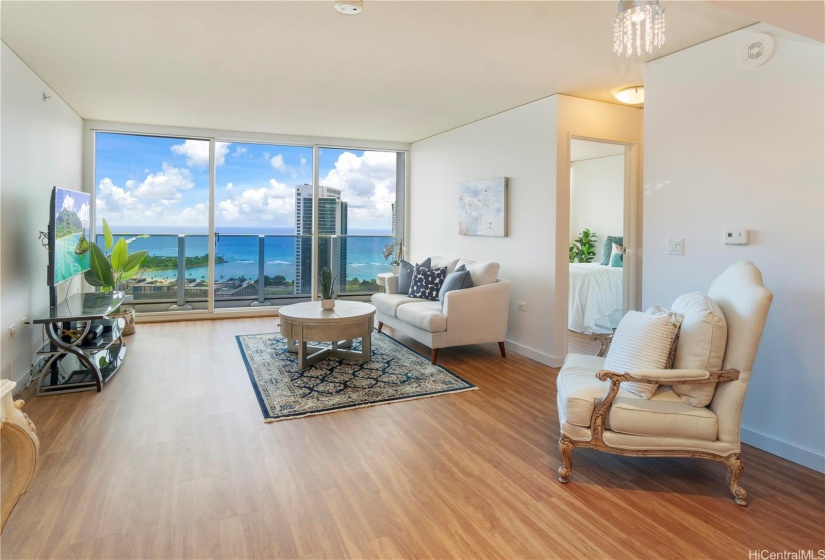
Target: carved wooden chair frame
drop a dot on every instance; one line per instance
(732, 461)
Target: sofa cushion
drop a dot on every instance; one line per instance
(663, 415)
(642, 341)
(388, 304)
(443, 262)
(458, 280)
(405, 274)
(426, 282)
(425, 315)
(482, 272)
(702, 341)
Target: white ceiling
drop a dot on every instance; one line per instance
(400, 71)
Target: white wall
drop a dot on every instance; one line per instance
(41, 146)
(519, 144)
(730, 147)
(597, 198)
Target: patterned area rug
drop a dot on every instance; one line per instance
(395, 373)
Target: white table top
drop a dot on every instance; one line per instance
(311, 311)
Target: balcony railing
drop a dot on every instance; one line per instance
(250, 269)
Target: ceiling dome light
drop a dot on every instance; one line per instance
(634, 95)
(637, 18)
(349, 7)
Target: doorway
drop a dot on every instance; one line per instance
(597, 288)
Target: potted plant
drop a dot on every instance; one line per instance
(327, 287)
(110, 269)
(583, 248)
(394, 250)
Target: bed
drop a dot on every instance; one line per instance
(594, 304)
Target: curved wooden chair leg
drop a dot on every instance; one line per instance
(566, 449)
(735, 468)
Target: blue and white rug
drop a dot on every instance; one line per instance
(394, 373)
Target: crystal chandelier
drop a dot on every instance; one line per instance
(637, 18)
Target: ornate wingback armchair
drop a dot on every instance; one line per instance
(595, 412)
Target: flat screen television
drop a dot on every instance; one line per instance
(69, 235)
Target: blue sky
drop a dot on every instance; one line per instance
(164, 182)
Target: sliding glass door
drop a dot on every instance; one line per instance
(276, 217)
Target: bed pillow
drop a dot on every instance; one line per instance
(607, 248)
(702, 343)
(642, 341)
(405, 275)
(617, 256)
(426, 282)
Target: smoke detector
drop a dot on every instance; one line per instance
(349, 7)
(756, 51)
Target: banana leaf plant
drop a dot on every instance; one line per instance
(114, 266)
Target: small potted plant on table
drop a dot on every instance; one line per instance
(327, 287)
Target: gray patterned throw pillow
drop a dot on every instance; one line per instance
(426, 282)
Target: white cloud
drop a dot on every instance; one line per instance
(277, 162)
(165, 184)
(368, 185)
(272, 205)
(197, 151)
(239, 151)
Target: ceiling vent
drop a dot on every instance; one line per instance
(756, 51)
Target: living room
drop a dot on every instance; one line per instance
(173, 459)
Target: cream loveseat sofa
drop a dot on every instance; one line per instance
(473, 315)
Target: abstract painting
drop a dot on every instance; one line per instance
(482, 207)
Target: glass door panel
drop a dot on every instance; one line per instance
(154, 192)
(260, 254)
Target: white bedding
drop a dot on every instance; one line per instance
(594, 305)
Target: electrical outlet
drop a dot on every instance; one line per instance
(12, 331)
(522, 306)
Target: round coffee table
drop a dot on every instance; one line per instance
(307, 322)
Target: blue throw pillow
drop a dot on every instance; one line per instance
(405, 274)
(458, 280)
(427, 282)
(608, 248)
(617, 259)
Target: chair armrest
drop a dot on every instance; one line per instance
(391, 284)
(670, 376)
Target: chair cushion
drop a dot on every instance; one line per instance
(663, 415)
(426, 316)
(426, 282)
(702, 342)
(642, 341)
(388, 304)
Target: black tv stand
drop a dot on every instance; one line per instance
(73, 359)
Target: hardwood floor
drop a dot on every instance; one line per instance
(173, 460)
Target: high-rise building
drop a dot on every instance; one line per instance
(332, 251)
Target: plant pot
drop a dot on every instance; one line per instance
(128, 314)
(395, 269)
(327, 304)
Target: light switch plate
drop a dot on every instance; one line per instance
(735, 237)
(675, 246)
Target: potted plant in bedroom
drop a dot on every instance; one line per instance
(110, 269)
(327, 287)
(583, 248)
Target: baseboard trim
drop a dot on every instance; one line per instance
(535, 355)
(798, 455)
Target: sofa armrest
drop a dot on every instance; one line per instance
(478, 314)
(391, 284)
(670, 376)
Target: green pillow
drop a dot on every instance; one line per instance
(616, 259)
(608, 248)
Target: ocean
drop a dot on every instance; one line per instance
(240, 250)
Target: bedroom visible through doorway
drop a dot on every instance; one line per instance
(597, 220)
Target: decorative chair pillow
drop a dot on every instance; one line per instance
(458, 280)
(642, 341)
(702, 342)
(405, 275)
(426, 282)
(607, 249)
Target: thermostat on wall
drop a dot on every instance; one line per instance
(736, 237)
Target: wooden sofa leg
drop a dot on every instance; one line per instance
(566, 449)
(501, 347)
(380, 326)
(735, 468)
(433, 356)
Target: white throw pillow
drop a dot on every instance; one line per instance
(482, 272)
(642, 341)
(702, 343)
